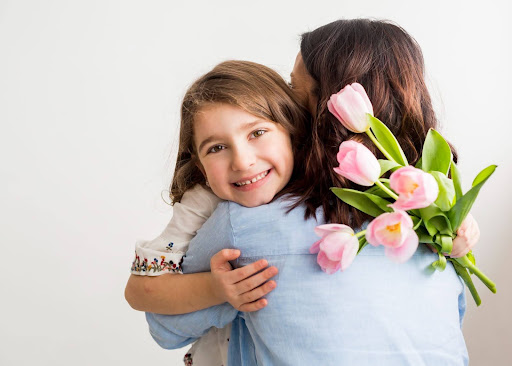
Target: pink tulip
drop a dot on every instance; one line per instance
(357, 163)
(393, 230)
(337, 248)
(350, 106)
(415, 188)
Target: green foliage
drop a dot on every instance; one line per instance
(370, 204)
(387, 140)
(436, 221)
(454, 171)
(376, 190)
(446, 197)
(463, 273)
(386, 165)
(460, 210)
(436, 155)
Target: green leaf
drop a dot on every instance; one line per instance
(454, 171)
(440, 264)
(446, 243)
(484, 174)
(446, 196)
(424, 236)
(418, 163)
(460, 210)
(386, 165)
(436, 220)
(362, 244)
(436, 154)
(368, 203)
(387, 140)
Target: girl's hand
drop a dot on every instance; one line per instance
(467, 237)
(243, 287)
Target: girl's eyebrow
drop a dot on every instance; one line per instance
(243, 126)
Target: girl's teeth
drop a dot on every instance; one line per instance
(253, 180)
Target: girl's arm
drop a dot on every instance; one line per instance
(157, 285)
(174, 294)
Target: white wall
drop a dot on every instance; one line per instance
(89, 100)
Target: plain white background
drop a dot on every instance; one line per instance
(89, 109)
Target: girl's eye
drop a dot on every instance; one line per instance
(215, 149)
(258, 133)
(290, 85)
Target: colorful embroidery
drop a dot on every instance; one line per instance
(155, 265)
(187, 359)
(169, 246)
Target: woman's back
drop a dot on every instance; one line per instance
(376, 312)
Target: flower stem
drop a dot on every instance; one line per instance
(361, 233)
(386, 189)
(379, 146)
(466, 263)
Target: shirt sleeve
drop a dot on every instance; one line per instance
(175, 331)
(164, 254)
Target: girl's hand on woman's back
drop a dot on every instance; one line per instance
(467, 237)
(243, 287)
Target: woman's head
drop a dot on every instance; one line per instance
(237, 124)
(389, 64)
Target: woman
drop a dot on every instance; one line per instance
(376, 311)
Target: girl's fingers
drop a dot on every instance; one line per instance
(221, 259)
(254, 306)
(242, 273)
(257, 293)
(255, 281)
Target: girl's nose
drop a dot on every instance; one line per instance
(243, 159)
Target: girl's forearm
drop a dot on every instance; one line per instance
(171, 294)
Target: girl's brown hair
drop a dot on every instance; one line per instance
(252, 87)
(389, 64)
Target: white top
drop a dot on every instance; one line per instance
(164, 254)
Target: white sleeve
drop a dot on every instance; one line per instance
(164, 254)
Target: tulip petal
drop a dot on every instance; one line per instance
(333, 245)
(360, 89)
(331, 106)
(326, 229)
(315, 248)
(349, 253)
(327, 265)
(406, 250)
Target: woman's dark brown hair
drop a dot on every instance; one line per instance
(389, 64)
(252, 87)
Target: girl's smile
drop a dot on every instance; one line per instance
(245, 159)
(257, 181)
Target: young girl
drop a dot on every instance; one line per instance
(237, 124)
(377, 311)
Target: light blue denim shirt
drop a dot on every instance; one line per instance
(376, 312)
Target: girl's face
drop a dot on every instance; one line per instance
(246, 159)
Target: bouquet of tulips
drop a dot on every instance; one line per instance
(417, 204)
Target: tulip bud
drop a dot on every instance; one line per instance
(337, 248)
(415, 188)
(393, 230)
(350, 106)
(357, 163)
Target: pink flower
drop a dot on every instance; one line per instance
(415, 188)
(337, 248)
(357, 163)
(393, 230)
(350, 106)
